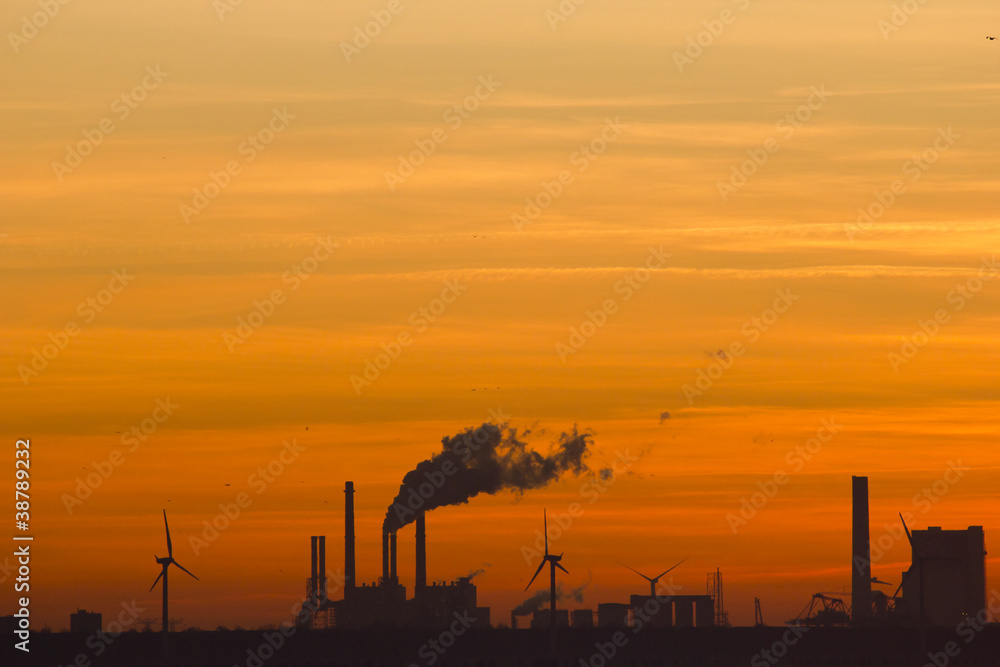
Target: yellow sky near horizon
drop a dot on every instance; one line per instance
(322, 180)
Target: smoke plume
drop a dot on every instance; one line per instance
(487, 459)
(533, 604)
(541, 598)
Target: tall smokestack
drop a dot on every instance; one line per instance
(421, 579)
(314, 579)
(385, 556)
(392, 556)
(322, 568)
(861, 565)
(349, 536)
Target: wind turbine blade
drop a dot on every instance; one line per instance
(665, 571)
(540, 566)
(908, 538)
(182, 567)
(156, 582)
(556, 563)
(637, 572)
(170, 548)
(545, 523)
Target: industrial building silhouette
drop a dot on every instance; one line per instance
(383, 604)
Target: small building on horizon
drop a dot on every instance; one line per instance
(85, 622)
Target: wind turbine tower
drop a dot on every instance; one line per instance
(553, 562)
(166, 563)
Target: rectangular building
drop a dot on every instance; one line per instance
(947, 578)
(85, 622)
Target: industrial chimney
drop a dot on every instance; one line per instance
(385, 557)
(392, 557)
(314, 579)
(421, 551)
(322, 569)
(861, 563)
(349, 574)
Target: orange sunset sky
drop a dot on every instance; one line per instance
(121, 118)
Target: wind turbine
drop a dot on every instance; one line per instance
(652, 581)
(553, 562)
(166, 563)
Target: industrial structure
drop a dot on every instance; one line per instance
(384, 603)
(946, 582)
(861, 559)
(85, 622)
(944, 585)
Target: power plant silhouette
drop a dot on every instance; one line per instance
(945, 584)
(941, 596)
(384, 603)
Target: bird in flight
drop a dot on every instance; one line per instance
(228, 484)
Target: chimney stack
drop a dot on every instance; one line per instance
(322, 569)
(861, 564)
(392, 557)
(349, 574)
(314, 579)
(421, 580)
(385, 557)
